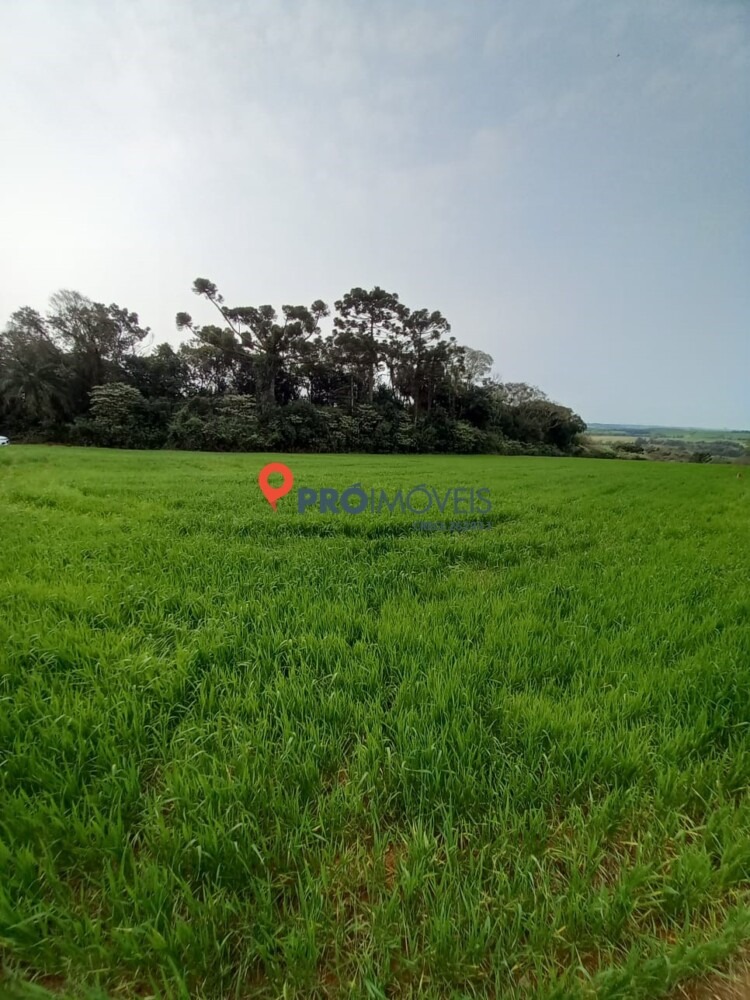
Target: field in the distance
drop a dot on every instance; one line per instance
(633, 431)
(246, 754)
(669, 443)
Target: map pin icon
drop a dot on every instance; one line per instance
(275, 493)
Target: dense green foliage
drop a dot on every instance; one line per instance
(384, 379)
(256, 754)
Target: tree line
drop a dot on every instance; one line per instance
(383, 378)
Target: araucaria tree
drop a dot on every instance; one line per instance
(256, 340)
(364, 323)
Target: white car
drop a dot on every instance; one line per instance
(3, 440)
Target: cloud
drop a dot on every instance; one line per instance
(496, 161)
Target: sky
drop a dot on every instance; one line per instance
(567, 181)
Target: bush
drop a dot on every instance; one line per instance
(467, 440)
(120, 417)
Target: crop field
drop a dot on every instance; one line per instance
(257, 754)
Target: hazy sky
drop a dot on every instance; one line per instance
(567, 181)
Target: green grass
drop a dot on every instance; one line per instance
(246, 754)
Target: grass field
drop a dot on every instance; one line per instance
(253, 754)
(612, 438)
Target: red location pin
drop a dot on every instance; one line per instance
(274, 493)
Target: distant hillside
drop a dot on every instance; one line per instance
(680, 444)
(656, 431)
